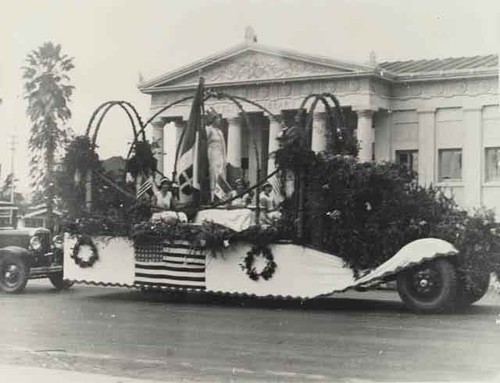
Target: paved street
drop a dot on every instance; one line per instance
(356, 337)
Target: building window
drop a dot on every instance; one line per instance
(33, 222)
(450, 164)
(408, 158)
(492, 160)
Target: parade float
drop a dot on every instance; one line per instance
(341, 224)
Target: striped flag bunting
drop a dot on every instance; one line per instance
(171, 265)
(144, 188)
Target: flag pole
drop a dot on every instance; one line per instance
(196, 172)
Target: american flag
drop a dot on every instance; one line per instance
(144, 188)
(174, 265)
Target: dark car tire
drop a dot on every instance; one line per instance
(430, 287)
(469, 293)
(14, 274)
(59, 282)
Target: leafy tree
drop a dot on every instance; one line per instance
(48, 91)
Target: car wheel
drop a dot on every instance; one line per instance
(13, 274)
(430, 287)
(59, 283)
(473, 288)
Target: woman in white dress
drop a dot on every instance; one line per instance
(164, 203)
(216, 149)
(269, 206)
(243, 201)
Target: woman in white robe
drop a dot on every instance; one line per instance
(216, 150)
(164, 203)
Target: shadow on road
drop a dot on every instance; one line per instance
(389, 304)
(249, 301)
(382, 301)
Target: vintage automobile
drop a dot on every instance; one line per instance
(28, 253)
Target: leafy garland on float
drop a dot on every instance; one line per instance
(207, 236)
(85, 240)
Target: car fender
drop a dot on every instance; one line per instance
(15, 251)
(410, 255)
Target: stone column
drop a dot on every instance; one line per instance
(234, 141)
(274, 131)
(472, 155)
(170, 139)
(179, 128)
(158, 142)
(427, 146)
(319, 134)
(365, 134)
(383, 136)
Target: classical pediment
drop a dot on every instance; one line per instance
(252, 63)
(257, 66)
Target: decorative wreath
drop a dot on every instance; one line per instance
(85, 240)
(248, 263)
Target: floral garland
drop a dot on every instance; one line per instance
(248, 263)
(85, 240)
(208, 236)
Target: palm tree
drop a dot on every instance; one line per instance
(48, 91)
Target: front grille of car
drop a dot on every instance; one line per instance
(45, 239)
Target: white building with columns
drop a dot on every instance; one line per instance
(439, 116)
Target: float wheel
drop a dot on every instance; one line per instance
(430, 287)
(13, 274)
(59, 282)
(473, 288)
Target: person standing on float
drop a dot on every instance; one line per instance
(163, 196)
(216, 149)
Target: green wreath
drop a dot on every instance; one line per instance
(248, 263)
(85, 240)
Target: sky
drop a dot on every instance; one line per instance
(114, 41)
